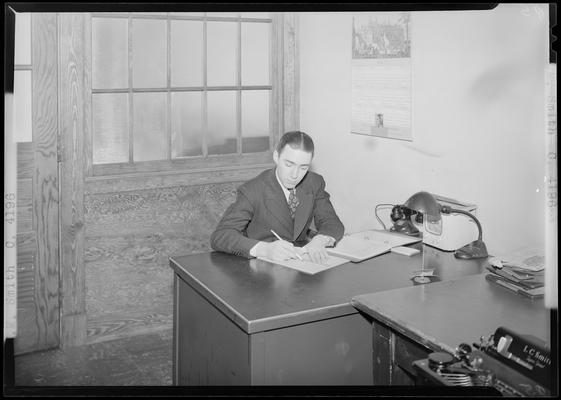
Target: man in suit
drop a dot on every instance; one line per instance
(284, 200)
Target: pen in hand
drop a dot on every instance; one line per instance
(279, 238)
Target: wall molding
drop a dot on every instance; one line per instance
(291, 73)
(72, 131)
(45, 187)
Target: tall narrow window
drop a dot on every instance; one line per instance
(22, 78)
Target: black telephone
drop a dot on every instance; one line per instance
(401, 218)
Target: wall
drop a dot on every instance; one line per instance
(477, 120)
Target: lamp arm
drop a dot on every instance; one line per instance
(449, 210)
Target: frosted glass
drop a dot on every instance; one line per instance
(22, 106)
(149, 128)
(221, 53)
(186, 53)
(255, 53)
(110, 53)
(186, 124)
(255, 121)
(22, 51)
(149, 49)
(110, 128)
(221, 134)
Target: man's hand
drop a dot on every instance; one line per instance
(278, 250)
(316, 249)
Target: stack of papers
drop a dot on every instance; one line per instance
(533, 293)
(360, 246)
(522, 272)
(526, 280)
(531, 259)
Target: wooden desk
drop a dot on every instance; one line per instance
(409, 323)
(250, 322)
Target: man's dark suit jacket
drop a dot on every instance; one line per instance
(261, 206)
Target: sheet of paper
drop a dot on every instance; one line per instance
(362, 245)
(309, 267)
(390, 239)
(529, 258)
(357, 249)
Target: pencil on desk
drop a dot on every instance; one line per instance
(279, 238)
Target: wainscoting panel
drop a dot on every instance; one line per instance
(129, 237)
(25, 160)
(27, 339)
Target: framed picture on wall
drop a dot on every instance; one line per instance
(381, 75)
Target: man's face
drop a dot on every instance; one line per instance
(292, 165)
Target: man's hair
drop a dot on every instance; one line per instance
(296, 140)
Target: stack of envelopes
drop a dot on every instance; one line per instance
(527, 282)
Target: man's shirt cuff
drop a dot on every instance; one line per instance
(328, 240)
(252, 250)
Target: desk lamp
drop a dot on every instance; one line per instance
(425, 204)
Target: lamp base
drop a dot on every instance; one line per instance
(475, 249)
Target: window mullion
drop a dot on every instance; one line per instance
(274, 56)
(238, 91)
(204, 108)
(131, 103)
(168, 100)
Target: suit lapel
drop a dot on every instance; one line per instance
(276, 203)
(279, 210)
(302, 212)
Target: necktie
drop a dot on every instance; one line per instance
(293, 202)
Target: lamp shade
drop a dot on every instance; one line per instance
(425, 203)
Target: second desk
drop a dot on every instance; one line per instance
(409, 323)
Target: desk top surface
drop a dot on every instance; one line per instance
(260, 296)
(444, 314)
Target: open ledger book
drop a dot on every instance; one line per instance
(367, 244)
(353, 247)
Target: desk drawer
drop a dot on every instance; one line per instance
(406, 352)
